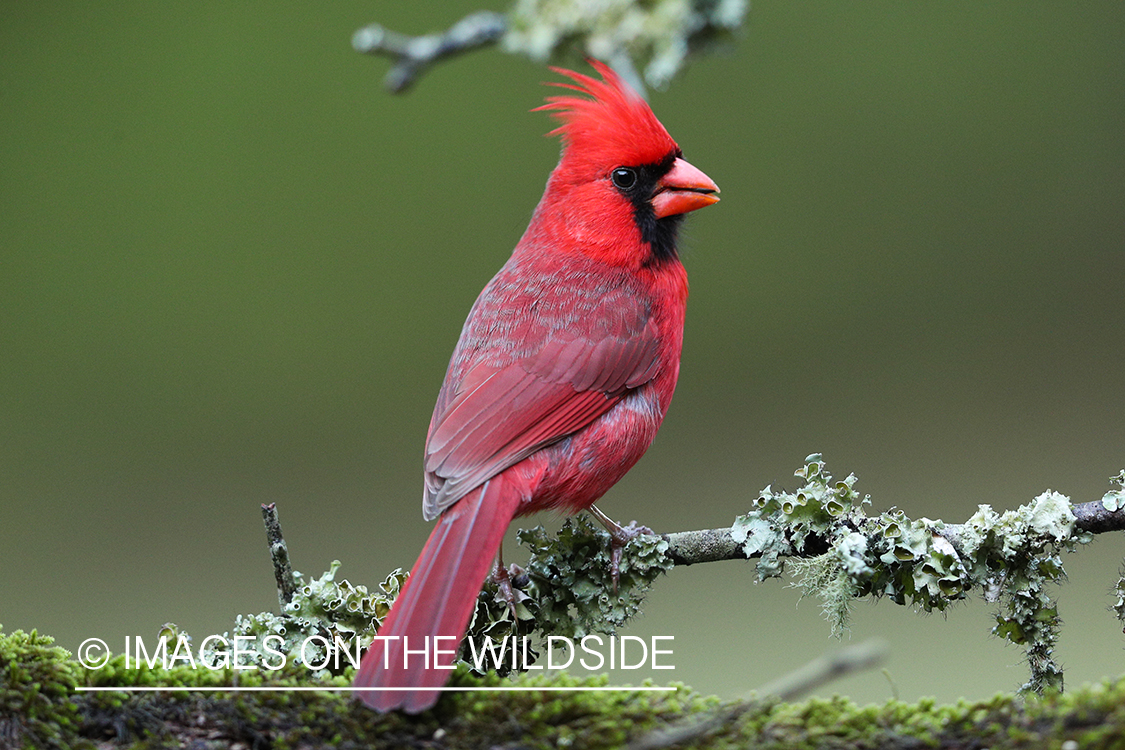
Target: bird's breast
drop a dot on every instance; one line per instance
(572, 474)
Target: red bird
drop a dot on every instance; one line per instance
(563, 373)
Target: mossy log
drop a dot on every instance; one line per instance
(40, 708)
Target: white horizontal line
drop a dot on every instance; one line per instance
(278, 688)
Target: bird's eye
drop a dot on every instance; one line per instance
(624, 178)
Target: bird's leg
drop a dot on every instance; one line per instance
(503, 578)
(619, 536)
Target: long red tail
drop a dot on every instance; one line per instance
(438, 599)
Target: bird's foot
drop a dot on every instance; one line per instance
(509, 582)
(619, 536)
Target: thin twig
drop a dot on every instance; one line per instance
(816, 673)
(828, 668)
(681, 733)
(413, 54)
(279, 553)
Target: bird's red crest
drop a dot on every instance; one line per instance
(614, 127)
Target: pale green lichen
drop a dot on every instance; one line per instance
(1010, 557)
(825, 578)
(761, 538)
(567, 589)
(572, 577)
(659, 32)
(1115, 498)
(1014, 556)
(324, 618)
(787, 523)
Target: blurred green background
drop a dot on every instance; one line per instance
(232, 270)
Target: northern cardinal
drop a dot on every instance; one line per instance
(563, 373)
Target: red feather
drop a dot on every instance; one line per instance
(562, 375)
(433, 602)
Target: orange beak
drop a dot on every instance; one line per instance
(683, 189)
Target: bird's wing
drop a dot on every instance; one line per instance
(554, 376)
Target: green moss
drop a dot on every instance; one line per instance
(41, 710)
(37, 682)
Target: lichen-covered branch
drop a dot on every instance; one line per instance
(835, 550)
(659, 33)
(324, 614)
(703, 546)
(716, 545)
(1009, 557)
(279, 554)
